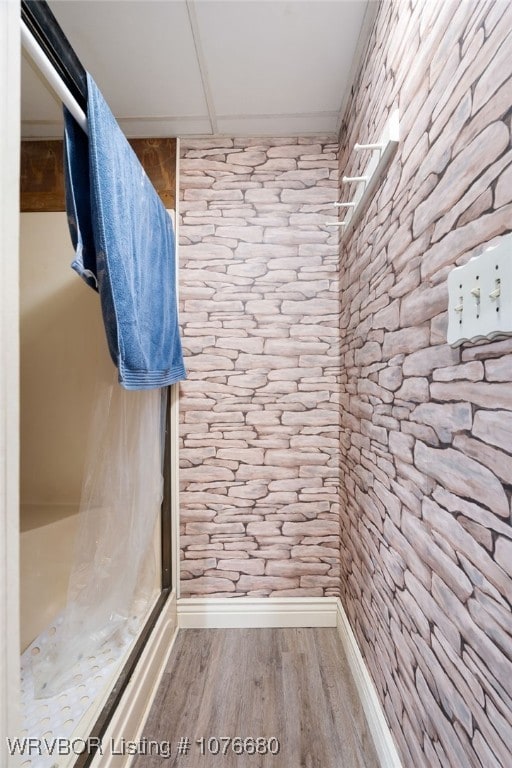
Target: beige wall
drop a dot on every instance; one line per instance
(426, 556)
(63, 355)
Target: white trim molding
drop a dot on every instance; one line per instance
(9, 372)
(174, 415)
(377, 725)
(240, 612)
(128, 720)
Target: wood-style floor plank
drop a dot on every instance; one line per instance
(292, 684)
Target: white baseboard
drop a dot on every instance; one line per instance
(131, 713)
(377, 725)
(240, 612)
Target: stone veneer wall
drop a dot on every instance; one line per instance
(427, 430)
(260, 410)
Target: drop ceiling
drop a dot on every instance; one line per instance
(208, 67)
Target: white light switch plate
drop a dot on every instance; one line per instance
(480, 296)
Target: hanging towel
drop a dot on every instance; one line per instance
(124, 247)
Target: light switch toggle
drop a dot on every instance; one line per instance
(497, 291)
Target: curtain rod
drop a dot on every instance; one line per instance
(52, 76)
(51, 51)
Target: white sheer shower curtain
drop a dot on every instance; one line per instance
(114, 565)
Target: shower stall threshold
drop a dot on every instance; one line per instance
(55, 730)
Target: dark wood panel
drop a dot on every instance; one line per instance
(42, 172)
(41, 176)
(158, 158)
(293, 684)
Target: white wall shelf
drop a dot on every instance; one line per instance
(364, 186)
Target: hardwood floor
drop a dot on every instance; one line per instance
(290, 684)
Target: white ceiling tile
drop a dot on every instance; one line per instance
(278, 57)
(133, 128)
(277, 125)
(268, 67)
(164, 127)
(141, 54)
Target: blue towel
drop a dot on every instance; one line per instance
(124, 247)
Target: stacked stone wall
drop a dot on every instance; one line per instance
(259, 505)
(426, 556)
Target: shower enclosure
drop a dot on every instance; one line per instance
(78, 550)
(153, 643)
(66, 385)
